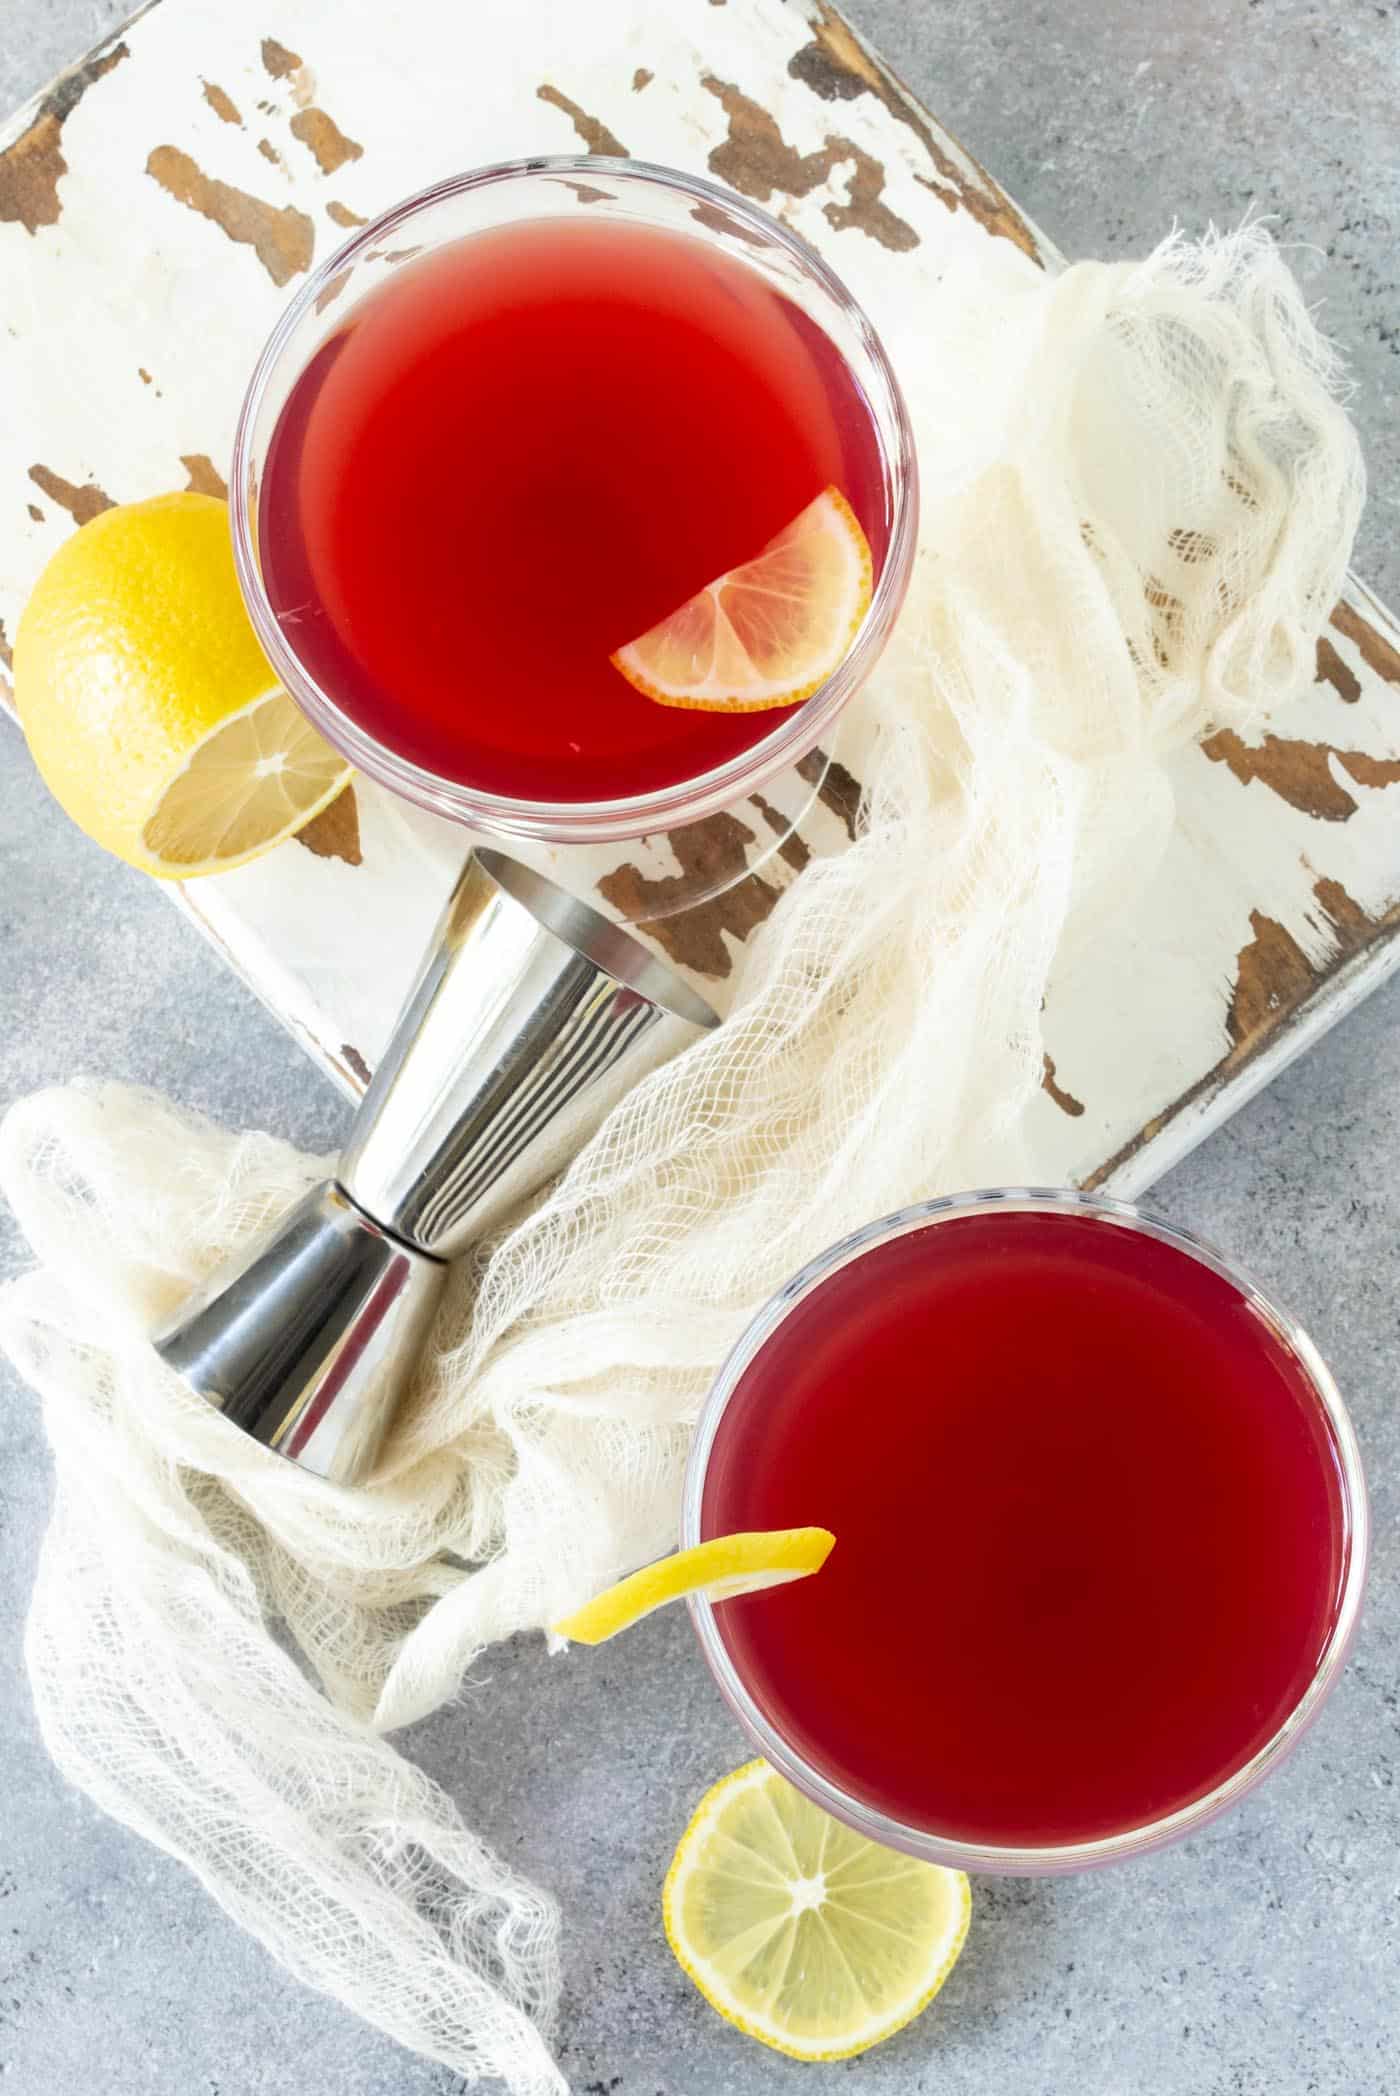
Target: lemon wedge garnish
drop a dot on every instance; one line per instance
(767, 633)
(719, 1569)
(149, 707)
(802, 1934)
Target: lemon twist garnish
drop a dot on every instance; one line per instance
(721, 1568)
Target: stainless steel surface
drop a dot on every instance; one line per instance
(304, 1342)
(531, 1017)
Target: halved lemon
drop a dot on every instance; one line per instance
(151, 711)
(721, 1568)
(802, 1934)
(245, 787)
(768, 633)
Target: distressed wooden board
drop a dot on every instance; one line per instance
(159, 204)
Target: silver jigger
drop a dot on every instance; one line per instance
(531, 1017)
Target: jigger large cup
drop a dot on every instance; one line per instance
(531, 1017)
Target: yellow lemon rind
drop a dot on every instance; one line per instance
(164, 869)
(133, 655)
(688, 1851)
(724, 1566)
(765, 695)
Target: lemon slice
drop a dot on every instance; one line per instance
(249, 784)
(721, 1568)
(768, 633)
(149, 707)
(805, 1935)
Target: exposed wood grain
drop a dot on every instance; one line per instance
(330, 291)
(31, 169)
(1377, 650)
(641, 78)
(710, 853)
(718, 220)
(1302, 773)
(202, 475)
(222, 104)
(1368, 770)
(356, 1063)
(284, 240)
(278, 61)
(792, 850)
(1273, 974)
(342, 215)
(1332, 670)
(6, 652)
(1066, 1101)
(82, 503)
(335, 832)
(1276, 985)
(1342, 911)
(35, 512)
(757, 160)
(838, 66)
(837, 789)
(595, 134)
(324, 137)
(865, 208)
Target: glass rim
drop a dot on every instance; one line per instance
(633, 816)
(1049, 1859)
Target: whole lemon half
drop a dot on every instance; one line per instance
(151, 711)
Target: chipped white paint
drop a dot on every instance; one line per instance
(131, 320)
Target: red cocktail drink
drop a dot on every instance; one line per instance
(524, 422)
(523, 451)
(1099, 1522)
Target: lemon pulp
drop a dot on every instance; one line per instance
(800, 1932)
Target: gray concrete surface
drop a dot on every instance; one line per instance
(1262, 1956)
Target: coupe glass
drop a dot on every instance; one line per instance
(515, 193)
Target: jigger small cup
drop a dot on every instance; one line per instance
(531, 1017)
